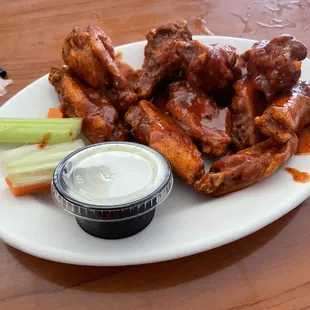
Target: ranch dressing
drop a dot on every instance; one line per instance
(113, 174)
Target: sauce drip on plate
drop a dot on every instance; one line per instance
(298, 176)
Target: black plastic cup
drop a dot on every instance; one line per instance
(117, 229)
(115, 221)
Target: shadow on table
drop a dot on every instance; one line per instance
(153, 276)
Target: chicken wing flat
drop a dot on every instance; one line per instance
(246, 105)
(159, 131)
(246, 167)
(275, 65)
(209, 67)
(161, 59)
(100, 118)
(200, 118)
(90, 54)
(287, 114)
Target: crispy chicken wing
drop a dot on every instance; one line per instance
(246, 167)
(159, 131)
(287, 114)
(200, 117)
(77, 53)
(275, 65)
(161, 59)
(209, 67)
(100, 118)
(246, 105)
(90, 54)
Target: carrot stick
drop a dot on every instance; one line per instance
(54, 113)
(28, 189)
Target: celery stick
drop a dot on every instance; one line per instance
(16, 153)
(21, 166)
(31, 165)
(45, 130)
(27, 150)
(23, 180)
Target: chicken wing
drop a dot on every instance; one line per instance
(159, 131)
(246, 105)
(209, 67)
(161, 59)
(100, 118)
(287, 114)
(200, 118)
(246, 167)
(275, 65)
(90, 54)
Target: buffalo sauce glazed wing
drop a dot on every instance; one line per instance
(205, 99)
(209, 67)
(160, 58)
(90, 54)
(287, 114)
(246, 167)
(100, 118)
(157, 130)
(275, 65)
(200, 118)
(246, 105)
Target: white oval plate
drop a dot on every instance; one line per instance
(187, 223)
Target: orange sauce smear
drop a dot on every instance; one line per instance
(46, 137)
(298, 176)
(119, 56)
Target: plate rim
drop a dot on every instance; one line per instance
(191, 248)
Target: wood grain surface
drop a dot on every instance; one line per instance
(267, 270)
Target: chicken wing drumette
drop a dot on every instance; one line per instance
(90, 54)
(161, 59)
(209, 67)
(246, 167)
(275, 65)
(100, 118)
(159, 131)
(200, 117)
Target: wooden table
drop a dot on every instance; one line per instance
(267, 270)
